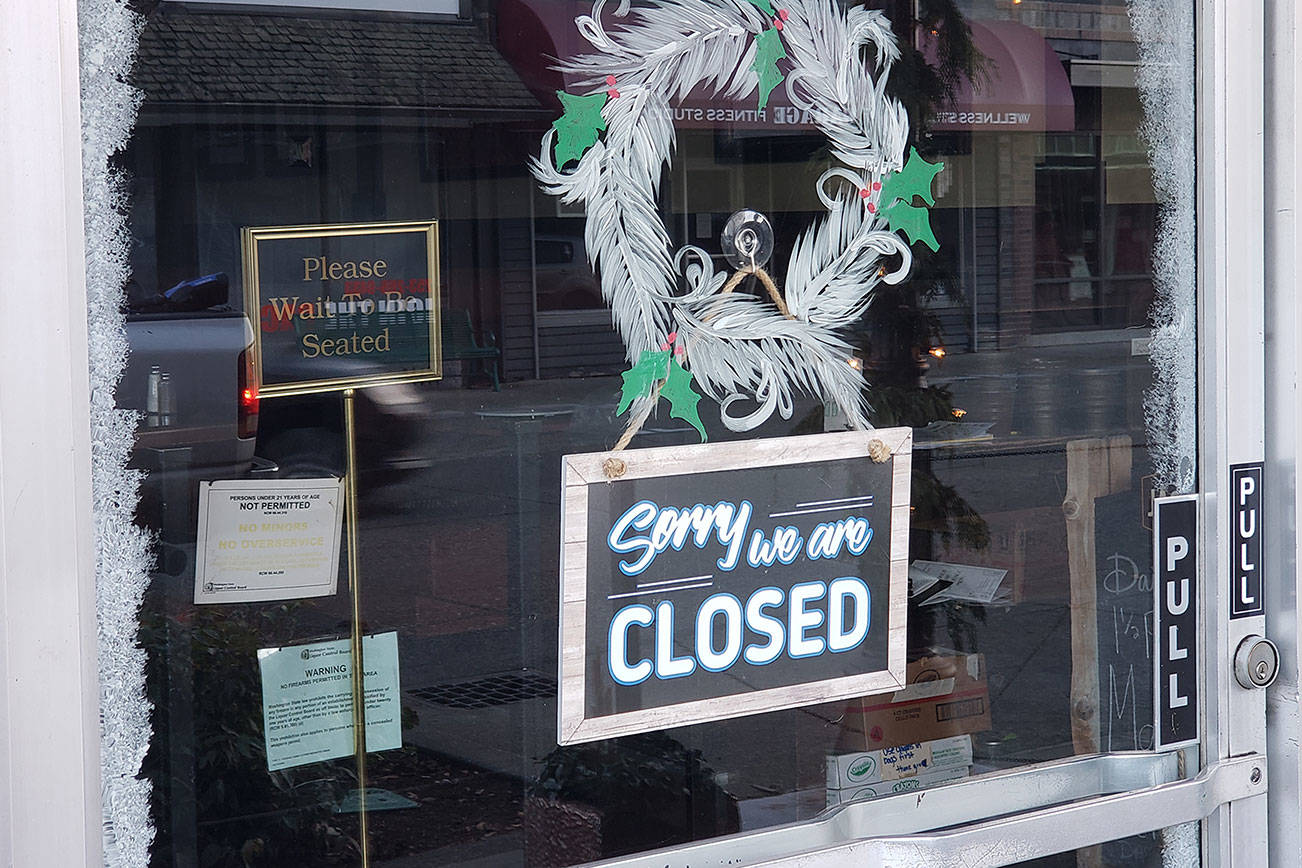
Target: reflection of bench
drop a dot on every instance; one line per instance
(459, 343)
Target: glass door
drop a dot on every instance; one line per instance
(471, 267)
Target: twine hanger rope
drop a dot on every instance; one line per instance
(615, 467)
(763, 277)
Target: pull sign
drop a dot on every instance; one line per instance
(1245, 535)
(1175, 633)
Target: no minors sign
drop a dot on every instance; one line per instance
(712, 581)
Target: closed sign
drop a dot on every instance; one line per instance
(704, 582)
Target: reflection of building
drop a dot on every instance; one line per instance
(333, 119)
(1047, 126)
(1055, 178)
(436, 117)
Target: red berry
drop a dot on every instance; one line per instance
(610, 80)
(778, 24)
(783, 14)
(612, 93)
(872, 209)
(877, 185)
(864, 194)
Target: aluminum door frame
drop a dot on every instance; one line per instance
(1231, 384)
(1228, 791)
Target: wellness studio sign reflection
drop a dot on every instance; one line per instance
(711, 581)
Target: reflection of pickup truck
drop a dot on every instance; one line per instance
(189, 375)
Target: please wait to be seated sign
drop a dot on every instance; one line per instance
(716, 580)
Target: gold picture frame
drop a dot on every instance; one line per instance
(252, 240)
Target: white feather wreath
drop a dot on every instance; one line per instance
(735, 346)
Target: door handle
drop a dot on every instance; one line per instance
(1057, 829)
(1041, 809)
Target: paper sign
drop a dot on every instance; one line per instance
(954, 582)
(268, 540)
(307, 701)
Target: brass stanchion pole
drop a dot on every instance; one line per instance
(354, 588)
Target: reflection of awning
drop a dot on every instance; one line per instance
(1025, 87)
(532, 34)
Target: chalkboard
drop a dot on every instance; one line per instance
(1124, 566)
(702, 582)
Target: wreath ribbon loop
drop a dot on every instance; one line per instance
(763, 276)
(608, 150)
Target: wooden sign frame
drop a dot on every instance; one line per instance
(579, 473)
(252, 237)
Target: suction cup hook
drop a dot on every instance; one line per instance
(747, 240)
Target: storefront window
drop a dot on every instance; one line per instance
(1016, 351)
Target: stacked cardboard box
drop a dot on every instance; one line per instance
(869, 774)
(945, 694)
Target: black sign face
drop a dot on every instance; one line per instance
(343, 306)
(1245, 541)
(1175, 635)
(765, 579)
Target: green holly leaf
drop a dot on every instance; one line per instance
(578, 125)
(764, 6)
(913, 180)
(640, 379)
(915, 223)
(768, 51)
(682, 397)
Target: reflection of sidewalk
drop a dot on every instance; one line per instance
(510, 739)
(458, 426)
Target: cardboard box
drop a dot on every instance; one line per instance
(946, 695)
(895, 763)
(904, 785)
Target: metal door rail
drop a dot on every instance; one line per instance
(1045, 809)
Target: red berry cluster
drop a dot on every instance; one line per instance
(867, 193)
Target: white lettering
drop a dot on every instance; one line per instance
(1177, 607)
(1247, 485)
(730, 608)
(1175, 700)
(765, 625)
(802, 619)
(1177, 547)
(667, 665)
(838, 592)
(1173, 649)
(617, 647)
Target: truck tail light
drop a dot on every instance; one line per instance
(248, 396)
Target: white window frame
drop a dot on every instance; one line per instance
(49, 705)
